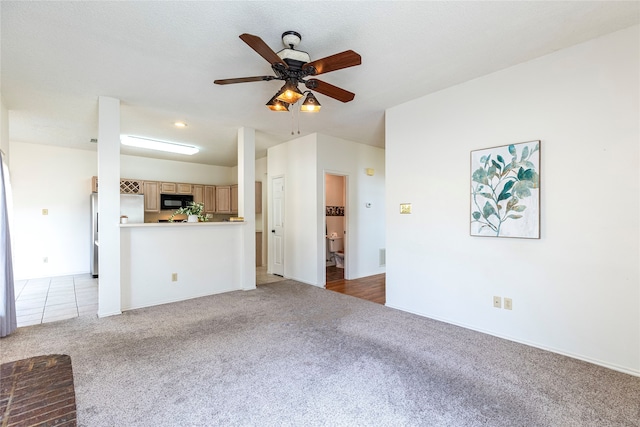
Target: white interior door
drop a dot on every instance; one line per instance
(277, 230)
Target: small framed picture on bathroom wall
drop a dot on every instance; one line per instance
(335, 211)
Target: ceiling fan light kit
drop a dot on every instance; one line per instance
(310, 104)
(293, 67)
(289, 93)
(275, 104)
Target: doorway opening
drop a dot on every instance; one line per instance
(335, 187)
(276, 212)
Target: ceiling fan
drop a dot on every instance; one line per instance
(294, 67)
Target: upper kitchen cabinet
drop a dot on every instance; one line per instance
(258, 197)
(151, 196)
(223, 199)
(175, 188)
(198, 193)
(127, 186)
(209, 199)
(131, 186)
(234, 199)
(184, 188)
(168, 188)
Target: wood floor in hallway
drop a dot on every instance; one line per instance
(370, 288)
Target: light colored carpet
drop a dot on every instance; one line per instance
(289, 354)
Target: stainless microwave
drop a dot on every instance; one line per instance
(175, 201)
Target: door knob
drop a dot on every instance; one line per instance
(273, 231)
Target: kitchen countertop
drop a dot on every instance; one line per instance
(181, 224)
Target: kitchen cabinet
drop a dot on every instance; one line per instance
(198, 193)
(168, 188)
(151, 196)
(175, 188)
(234, 199)
(127, 186)
(258, 248)
(258, 197)
(223, 199)
(209, 199)
(184, 188)
(131, 186)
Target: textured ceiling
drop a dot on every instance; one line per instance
(160, 59)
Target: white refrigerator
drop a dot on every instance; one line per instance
(131, 205)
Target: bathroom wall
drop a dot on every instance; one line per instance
(334, 197)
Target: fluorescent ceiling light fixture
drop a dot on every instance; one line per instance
(180, 124)
(152, 144)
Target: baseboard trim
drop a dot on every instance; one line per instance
(625, 370)
(162, 302)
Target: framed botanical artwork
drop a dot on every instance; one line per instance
(505, 191)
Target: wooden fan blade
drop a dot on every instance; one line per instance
(330, 90)
(243, 80)
(345, 59)
(257, 44)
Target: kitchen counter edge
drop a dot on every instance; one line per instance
(181, 224)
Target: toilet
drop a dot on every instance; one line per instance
(336, 249)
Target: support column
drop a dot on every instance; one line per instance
(247, 204)
(109, 206)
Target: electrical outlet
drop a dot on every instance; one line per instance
(174, 277)
(497, 302)
(45, 259)
(508, 304)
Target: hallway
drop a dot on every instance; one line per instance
(371, 288)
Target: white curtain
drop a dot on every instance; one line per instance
(8, 322)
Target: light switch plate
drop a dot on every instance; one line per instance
(405, 208)
(508, 304)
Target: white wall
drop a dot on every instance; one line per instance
(296, 160)
(261, 218)
(4, 130)
(575, 291)
(304, 162)
(135, 167)
(57, 179)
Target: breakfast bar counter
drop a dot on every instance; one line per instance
(168, 262)
(181, 224)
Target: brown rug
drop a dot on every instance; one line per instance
(37, 392)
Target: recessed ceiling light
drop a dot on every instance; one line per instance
(152, 144)
(180, 124)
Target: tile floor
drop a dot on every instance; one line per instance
(263, 277)
(58, 298)
(55, 298)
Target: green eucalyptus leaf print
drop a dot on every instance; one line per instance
(504, 194)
